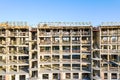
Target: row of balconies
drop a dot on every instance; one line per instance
(63, 51)
(15, 34)
(110, 42)
(110, 69)
(14, 62)
(63, 42)
(51, 61)
(13, 68)
(15, 52)
(2, 34)
(2, 43)
(18, 34)
(69, 67)
(63, 33)
(110, 33)
(67, 76)
(109, 51)
(114, 76)
(43, 51)
(105, 76)
(83, 48)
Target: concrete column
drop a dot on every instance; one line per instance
(18, 68)
(62, 76)
(102, 75)
(109, 76)
(30, 62)
(40, 76)
(71, 76)
(60, 51)
(50, 76)
(8, 77)
(118, 76)
(17, 77)
(8, 68)
(80, 76)
(27, 76)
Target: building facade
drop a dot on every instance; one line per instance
(59, 51)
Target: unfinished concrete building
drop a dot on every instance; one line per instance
(14, 53)
(59, 51)
(64, 51)
(110, 51)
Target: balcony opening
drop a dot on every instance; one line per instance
(75, 32)
(55, 40)
(86, 40)
(47, 67)
(2, 32)
(22, 77)
(113, 75)
(66, 49)
(105, 76)
(68, 75)
(76, 58)
(24, 68)
(104, 31)
(45, 40)
(56, 76)
(55, 49)
(96, 74)
(96, 64)
(104, 39)
(2, 77)
(86, 76)
(56, 66)
(13, 77)
(96, 54)
(23, 59)
(86, 49)
(75, 75)
(86, 67)
(86, 58)
(75, 49)
(66, 58)
(66, 32)
(56, 32)
(55, 58)
(34, 74)
(75, 40)
(66, 66)
(45, 76)
(85, 31)
(47, 58)
(34, 55)
(104, 58)
(45, 49)
(75, 66)
(34, 64)
(2, 40)
(13, 68)
(65, 40)
(34, 46)
(2, 68)
(34, 35)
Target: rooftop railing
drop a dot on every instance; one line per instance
(64, 24)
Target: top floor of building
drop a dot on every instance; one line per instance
(82, 27)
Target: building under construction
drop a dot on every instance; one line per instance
(59, 51)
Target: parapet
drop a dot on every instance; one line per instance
(14, 25)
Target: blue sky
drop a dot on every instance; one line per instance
(35, 11)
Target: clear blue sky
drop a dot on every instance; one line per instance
(35, 11)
